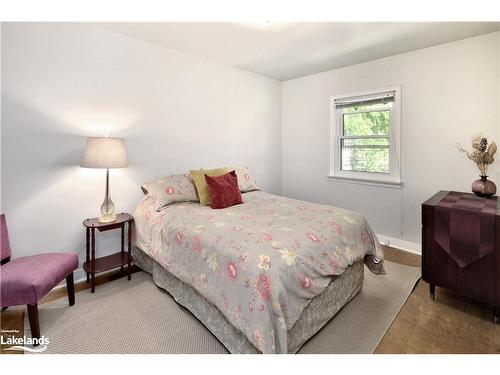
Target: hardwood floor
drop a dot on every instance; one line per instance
(99, 280)
(450, 324)
(11, 325)
(401, 257)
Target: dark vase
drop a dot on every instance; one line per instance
(484, 187)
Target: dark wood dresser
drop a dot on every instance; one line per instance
(479, 277)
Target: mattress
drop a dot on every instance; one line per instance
(260, 263)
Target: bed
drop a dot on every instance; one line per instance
(263, 276)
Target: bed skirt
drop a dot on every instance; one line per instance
(315, 315)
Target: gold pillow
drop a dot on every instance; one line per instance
(198, 177)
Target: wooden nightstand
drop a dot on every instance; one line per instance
(119, 259)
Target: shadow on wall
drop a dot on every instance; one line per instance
(45, 194)
(34, 154)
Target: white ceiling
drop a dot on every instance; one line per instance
(289, 50)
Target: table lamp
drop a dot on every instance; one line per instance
(103, 152)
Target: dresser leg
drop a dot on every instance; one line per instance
(496, 314)
(432, 289)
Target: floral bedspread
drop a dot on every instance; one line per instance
(260, 262)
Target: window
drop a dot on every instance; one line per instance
(365, 142)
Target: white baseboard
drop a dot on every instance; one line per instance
(411, 247)
(79, 275)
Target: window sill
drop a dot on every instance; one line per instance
(362, 181)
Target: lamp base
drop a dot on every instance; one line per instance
(107, 218)
(107, 207)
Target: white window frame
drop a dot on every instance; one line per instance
(391, 179)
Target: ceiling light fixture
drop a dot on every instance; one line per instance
(267, 23)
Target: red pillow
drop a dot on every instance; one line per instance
(224, 190)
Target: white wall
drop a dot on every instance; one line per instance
(449, 93)
(63, 82)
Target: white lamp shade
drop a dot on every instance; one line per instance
(103, 152)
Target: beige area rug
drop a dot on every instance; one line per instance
(139, 317)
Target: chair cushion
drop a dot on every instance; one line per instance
(26, 280)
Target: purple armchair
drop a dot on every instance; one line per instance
(25, 280)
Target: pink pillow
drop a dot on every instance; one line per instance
(224, 190)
